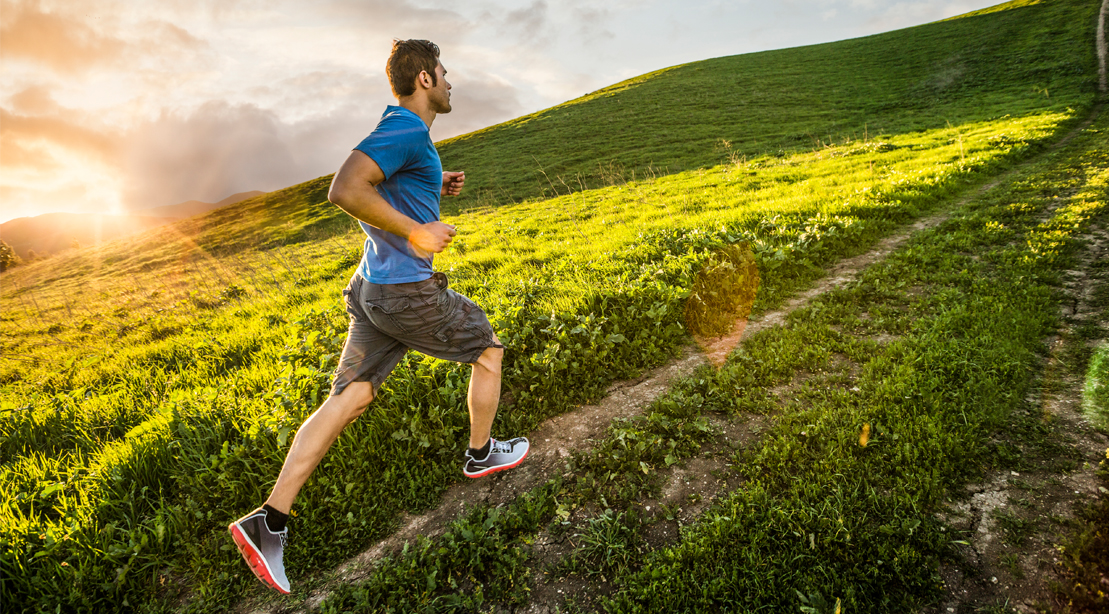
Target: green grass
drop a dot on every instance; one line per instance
(151, 385)
(818, 514)
(1095, 397)
(1085, 554)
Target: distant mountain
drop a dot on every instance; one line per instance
(53, 232)
(196, 207)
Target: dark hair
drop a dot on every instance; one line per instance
(407, 60)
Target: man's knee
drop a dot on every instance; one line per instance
(490, 359)
(353, 400)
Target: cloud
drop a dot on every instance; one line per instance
(534, 26)
(478, 100)
(63, 39)
(320, 92)
(206, 154)
(34, 100)
(63, 129)
(58, 41)
(223, 148)
(22, 155)
(217, 150)
(58, 160)
(402, 19)
(591, 22)
(526, 25)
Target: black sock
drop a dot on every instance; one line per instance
(482, 452)
(275, 520)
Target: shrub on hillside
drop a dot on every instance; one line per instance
(8, 257)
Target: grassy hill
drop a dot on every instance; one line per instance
(149, 386)
(984, 65)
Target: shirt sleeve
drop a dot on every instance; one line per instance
(393, 145)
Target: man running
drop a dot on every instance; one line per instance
(391, 184)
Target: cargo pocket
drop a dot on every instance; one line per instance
(350, 301)
(446, 302)
(351, 311)
(459, 315)
(388, 314)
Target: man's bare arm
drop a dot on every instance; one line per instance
(353, 191)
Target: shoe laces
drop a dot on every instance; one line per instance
(500, 446)
(284, 535)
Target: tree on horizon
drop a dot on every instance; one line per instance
(8, 257)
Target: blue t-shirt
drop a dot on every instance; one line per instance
(402, 147)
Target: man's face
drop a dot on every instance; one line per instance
(440, 94)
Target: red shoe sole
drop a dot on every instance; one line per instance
(253, 559)
(496, 469)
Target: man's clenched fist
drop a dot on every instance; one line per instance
(431, 238)
(452, 183)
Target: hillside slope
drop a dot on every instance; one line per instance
(677, 118)
(704, 113)
(190, 208)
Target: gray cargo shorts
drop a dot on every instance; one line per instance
(386, 320)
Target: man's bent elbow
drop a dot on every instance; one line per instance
(336, 196)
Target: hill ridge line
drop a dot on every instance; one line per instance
(559, 437)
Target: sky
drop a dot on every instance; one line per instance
(114, 106)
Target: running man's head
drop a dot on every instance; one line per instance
(414, 66)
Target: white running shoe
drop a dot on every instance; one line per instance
(502, 455)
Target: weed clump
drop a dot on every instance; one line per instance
(1095, 395)
(723, 291)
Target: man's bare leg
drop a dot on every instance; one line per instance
(315, 437)
(484, 395)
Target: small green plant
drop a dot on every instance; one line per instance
(1011, 562)
(723, 291)
(610, 544)
(1017, 529)
(998, 607)
(1095, 393)
(815, 603)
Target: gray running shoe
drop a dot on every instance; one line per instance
(261, 548)
(502, 455)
